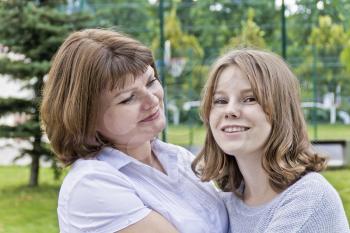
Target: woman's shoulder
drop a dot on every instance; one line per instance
(91, 181)
(90, 167)
(91, 175)
(92, 189)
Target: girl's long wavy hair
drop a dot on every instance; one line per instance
(87, 63)
(288, 153)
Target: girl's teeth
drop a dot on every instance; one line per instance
(234, 129)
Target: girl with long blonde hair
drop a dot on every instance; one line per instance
(257, 149)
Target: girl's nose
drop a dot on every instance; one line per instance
(232, 111)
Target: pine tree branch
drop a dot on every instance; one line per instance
(24, 70)
(24, 131)
(13, 105)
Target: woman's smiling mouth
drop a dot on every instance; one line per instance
(151, 117)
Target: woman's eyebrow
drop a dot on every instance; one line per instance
(124, 91)
(149, 76)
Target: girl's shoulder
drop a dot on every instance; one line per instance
(312, 190)
(311, 184)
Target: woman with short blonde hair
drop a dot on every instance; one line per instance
(102, 110)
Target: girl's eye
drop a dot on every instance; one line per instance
(249, 99)
(128, 100)
(150, 83)
(219, 101)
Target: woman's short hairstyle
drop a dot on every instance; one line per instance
(87, 63)
(288, 153)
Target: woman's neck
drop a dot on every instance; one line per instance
(140, 152)
(257, 189)
(144, 154)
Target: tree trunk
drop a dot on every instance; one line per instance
(34, 168)
(36, 152)
(34, 171)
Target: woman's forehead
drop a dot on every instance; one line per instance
(124, 81)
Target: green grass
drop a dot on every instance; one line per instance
(25, 209)
(330, 132)
(181, 135)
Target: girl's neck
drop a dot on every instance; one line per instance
(257, 189)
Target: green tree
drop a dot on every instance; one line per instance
(345, 61)
(250, 36)
(34, 30)
(180, 41)
(131, 17)
(186, 48)
(214, 23)
(345, 54)
(329, 39)
(301, 23)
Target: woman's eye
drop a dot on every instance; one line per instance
(249, 99)
(128, 100)
(219, 101)
(150, 83)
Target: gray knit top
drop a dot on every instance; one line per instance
(310, 205)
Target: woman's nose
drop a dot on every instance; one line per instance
(149, 100)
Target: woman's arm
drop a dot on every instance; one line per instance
(152, 223)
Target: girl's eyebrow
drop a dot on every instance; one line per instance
(248, 90)
(243, 91)
(218, 92)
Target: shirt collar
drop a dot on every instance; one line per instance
(166, 153)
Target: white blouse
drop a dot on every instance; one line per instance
(114, 190)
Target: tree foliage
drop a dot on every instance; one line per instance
(131, 17)
(214, 23)
(327, 39)
(250, 34)
(35, 31)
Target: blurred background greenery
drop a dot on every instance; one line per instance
(186, 36)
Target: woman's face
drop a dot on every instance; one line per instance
(238, 123)
(132, 115)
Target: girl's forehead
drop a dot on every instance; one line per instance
(231, 77)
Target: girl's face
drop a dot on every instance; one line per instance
(238, 123)
(133, 115)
